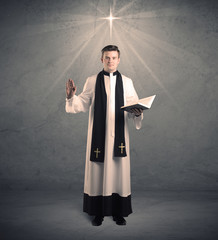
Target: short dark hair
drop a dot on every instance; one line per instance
(110, 48)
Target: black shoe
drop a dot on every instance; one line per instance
(97, 221)
(119, 220)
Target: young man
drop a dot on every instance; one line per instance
(107, 190)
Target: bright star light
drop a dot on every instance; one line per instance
(111, 18)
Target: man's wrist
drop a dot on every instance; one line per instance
(69, 97)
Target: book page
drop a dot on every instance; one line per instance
(147, 101)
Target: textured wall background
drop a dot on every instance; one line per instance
(168, 48)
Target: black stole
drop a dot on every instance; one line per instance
(99, 122)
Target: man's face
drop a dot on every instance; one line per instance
(110, 61)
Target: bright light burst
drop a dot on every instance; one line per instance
(93, 30)
(111, 18)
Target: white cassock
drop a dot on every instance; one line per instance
(107, 188)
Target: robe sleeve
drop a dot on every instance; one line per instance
(81, 103)
(132, 97)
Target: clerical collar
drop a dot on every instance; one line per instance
(108, 74)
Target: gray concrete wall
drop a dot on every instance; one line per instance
(168, 48)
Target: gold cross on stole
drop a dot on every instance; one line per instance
(121, 148)
(97, 152)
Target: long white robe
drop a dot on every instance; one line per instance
(112, 176)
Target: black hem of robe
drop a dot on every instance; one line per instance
(113, 205)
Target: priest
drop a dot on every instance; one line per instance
(107, 187)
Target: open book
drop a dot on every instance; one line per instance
(144, 103)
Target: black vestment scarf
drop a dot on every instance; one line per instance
(99, 122)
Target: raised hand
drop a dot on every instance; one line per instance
(70, 88)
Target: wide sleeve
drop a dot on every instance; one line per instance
(132, 97)
(81, 102)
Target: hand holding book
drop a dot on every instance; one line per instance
(142, 104)
(136, 111)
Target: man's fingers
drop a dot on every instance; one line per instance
(71, 84)
(136, 111)
(71, 81)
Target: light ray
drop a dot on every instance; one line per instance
(111, 18)
(125, 7)
(158, 13)
(92, 63)
(152, 74)
(126, 59)
(39, 29)
(145, 65)
(177, 52)
(83, 46)
(97, 8)
(113, 6)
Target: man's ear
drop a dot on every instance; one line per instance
(102, 60)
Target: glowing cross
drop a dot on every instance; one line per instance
(111, 18)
